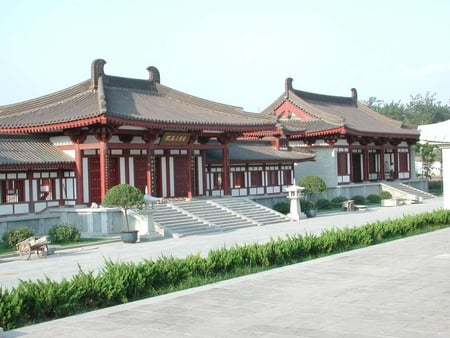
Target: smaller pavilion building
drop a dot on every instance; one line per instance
(353, 144)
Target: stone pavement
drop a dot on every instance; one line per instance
(396, 289)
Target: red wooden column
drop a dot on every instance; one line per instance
(366, 164)
(79, 174)
(149, 138)
(226, 170)
(30, 187)
(189, 173)
(103, 134)
(382, 167)
(77, 139)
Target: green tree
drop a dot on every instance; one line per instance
(124, 196)
(426, 110)
(393, 110)
(422, 109)
(313, 185)
(428, 154)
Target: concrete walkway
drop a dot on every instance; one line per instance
(397, 289)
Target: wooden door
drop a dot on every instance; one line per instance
(180, 176)
(140, 173)
(356, 167)
(94, 180)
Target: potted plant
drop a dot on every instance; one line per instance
(125, 196)
(313, 185)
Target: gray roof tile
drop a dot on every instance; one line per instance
(259, 151)
(16, 151)
(330, 112)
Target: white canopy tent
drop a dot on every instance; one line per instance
(439, 134)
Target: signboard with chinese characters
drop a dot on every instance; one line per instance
(175, 139)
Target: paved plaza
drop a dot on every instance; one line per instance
(397, 289)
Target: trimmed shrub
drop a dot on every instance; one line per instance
(358, 199)
(312, 184)
(306, 204)
(36, 301)
(282, 207)
(12, 237)
(323, 204)
(337, 201)
(373, 199)
(64, 233)
(385, 195)
(124, 196)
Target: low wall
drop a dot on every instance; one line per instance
(40, 223)
(363, 189)
(91, 222)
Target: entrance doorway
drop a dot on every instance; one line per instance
(180, 170)
(356, 167)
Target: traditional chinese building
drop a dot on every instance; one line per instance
(71, 146)
(353, 144)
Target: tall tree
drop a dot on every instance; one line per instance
(426, 109)
(422, 109)
(428, 154)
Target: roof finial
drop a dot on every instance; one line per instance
(354, 97)
(153, 74)
(288, 86)
(96, 71)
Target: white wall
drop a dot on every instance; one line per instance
(446, 176)
(325, 167)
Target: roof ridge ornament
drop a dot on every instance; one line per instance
(96, 71)
(288, 87)
(354, 97)
(153, 74)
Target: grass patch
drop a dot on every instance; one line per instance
(121, 282)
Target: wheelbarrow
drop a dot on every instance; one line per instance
(32, 244)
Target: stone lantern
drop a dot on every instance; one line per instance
(294, 194)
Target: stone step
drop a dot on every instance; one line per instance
(197, 216)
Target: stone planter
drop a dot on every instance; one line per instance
(389, 203)
(129, 236)
(310, 213)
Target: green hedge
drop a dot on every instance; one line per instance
(12, 237)
(64, 233)
(117, 283)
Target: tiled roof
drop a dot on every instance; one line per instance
(162, 106)
(145, 101)
(331, 112)
(25, 150)
(259, 151)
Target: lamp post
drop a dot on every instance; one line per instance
(294, 194)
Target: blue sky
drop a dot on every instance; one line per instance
(234, 52)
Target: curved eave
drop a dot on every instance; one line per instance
(37, 166)
(178, 125)
(260, 133)
(54, 126)
(349, 131)
(320, 133)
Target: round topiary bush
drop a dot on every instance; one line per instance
(323, 204)
(12, 237)
(124, 196)
(282, 207)
(337, 201)
(385, 195)
(359, 199)
(313, 185)
(373, 199)
(64, 233)
(306, 204)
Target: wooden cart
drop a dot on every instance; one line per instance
(27, 246)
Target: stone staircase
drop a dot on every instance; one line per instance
(204, 216)
(401, 190)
